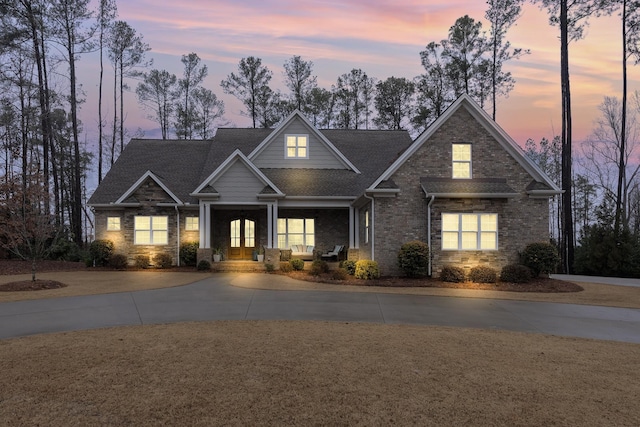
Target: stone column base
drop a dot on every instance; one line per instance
(272, 256)
(353, 254)
(205, 254)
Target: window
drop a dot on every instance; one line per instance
(191, 223)
(366, 226)
(296, 231)
(151, 230)
(461, 155)
(469, 231)
(296, 147)
(113, 223)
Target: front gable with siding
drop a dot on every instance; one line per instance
(370, 191)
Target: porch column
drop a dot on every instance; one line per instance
(269, 225)
(207, 220)
(356, 228)
(275, 224)
(351, 227)
(203, 229)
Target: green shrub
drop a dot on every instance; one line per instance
(297, 264)
(483, 274)
(339, 274)
(118, 261)
(270, 267)
(204, 265)
(141, 261)
(451, 273)
(100, 251)
(367, 269)
(540, 258)
(189, 253)
(65, 250)
(515, 273)
(162, 260)
(413, 259)
(286, 267)
(349, 266)
(318, 267)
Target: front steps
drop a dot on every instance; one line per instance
(238, 266)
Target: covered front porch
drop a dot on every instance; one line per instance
(241, 232)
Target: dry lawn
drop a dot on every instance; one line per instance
(316, 373)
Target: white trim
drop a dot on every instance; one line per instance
(138, 183)
(202, 227)
(484, 120)
(207, 225)
(269, 225)
(341, 157)
(230, 161)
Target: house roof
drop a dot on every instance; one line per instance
(467, 188)
(185, 165)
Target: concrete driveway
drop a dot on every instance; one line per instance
(214, 298)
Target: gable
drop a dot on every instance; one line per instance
(237, 184)
(148, 189)
(322, 154)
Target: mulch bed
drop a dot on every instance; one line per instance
(543, 285)
(31, 285)
(17, 266)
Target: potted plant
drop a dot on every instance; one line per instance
(261, 254)
(217, 254)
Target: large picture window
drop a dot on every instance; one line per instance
(469, 232)
(296, 231)
(296, 146)
(151, 230)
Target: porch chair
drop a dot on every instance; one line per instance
(336, 252)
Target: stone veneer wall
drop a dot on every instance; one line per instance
(149, 195)
(400, 219)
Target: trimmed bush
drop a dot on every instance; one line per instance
(189, 253)
(270, 267)
(339, 274)
(100, 251)
(515, 273)
(204, 265)
(367, 269)
(413, 259)
(118, 261)
(286, 267)
(318, 267)
(141, 261)
(297, 264)
(451, 273)
(162, 260)
(65, 250)
(540, 258)
(349, 266)
(483, 274)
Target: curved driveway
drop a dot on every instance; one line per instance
(216, 299)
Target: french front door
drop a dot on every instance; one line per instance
(242, 238)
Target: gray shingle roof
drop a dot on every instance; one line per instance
(478, 187)
(183, 165)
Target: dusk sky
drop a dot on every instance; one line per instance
(381, 37)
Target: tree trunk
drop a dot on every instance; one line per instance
(620, 204)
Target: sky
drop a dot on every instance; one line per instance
(381, 37)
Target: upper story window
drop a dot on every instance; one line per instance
(461, 155)
(296, 146)
(113, 223)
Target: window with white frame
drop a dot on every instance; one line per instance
(191, 223)
(366, 226)
(151, 230)
(296, 231)
(461, 155)
(469, 231)
(296, 146)
(113, 223)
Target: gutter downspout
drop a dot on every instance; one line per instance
(178, 229)
(429, 231)
(373, 226)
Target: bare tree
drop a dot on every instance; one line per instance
(157, 94)
(208, 110)
(298, 80)
(194, 74)
(393, 101)
(248, 85)
(107, 11)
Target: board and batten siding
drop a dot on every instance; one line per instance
(238, 184)
(320, 156)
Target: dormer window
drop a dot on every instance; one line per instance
(296, 147)
(461, 155)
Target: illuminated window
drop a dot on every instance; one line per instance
(296, 231)
(151, 230)
(296, 147)
(113, 223)
(191, 223)
(366, 226)
(461, 155)
(469, 232)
